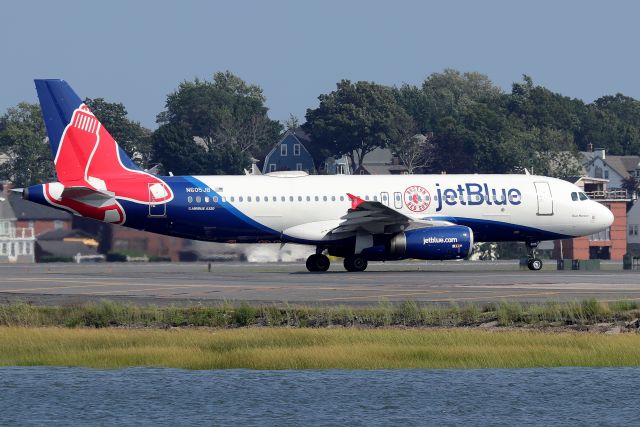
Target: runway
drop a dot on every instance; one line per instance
(188, 283)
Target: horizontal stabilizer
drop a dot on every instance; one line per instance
(80, 191)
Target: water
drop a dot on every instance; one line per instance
(144, 396)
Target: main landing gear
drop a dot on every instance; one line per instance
(355, 263)
(320, 262)
(533, 263)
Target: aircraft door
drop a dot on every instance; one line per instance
(156, 208)
(545, 200)
(397, 200)
(384, 198)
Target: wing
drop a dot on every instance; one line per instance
(377, 218)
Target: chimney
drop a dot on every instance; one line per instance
(600, 153)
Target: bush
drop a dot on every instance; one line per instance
(116, 257)
(55, 258)
(244, 315)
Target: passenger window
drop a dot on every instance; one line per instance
(198, 199)
(317, 199)
(324, 198)
(248, 198)
(190, 199)
(233, 199)
(333, 198)
(257, 198)
(366, 197)
(583, 196)
(291, 198)
(240, 199)
(206, 199)
(215, 199)
(342, 198)
(282, 198)
(574, 196)
(275, 199)
(299, 198)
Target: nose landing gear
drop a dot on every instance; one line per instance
(533, 263)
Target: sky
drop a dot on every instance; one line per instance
(137, 52)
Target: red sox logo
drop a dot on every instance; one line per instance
(417, 198)
(88, 157)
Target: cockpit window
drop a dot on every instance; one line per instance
(574, 196)
(583, 196)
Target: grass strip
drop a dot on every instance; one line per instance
(406, 314)
(287, 348)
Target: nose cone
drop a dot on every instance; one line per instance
(604, 217)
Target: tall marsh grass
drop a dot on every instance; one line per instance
(288, 348)
(407, 314)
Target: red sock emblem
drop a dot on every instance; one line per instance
(89, 157)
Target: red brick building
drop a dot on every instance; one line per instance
(42, 218)
(607, 244)
(130, 240)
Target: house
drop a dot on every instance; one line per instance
(335, 166)
(597, 164)
(289, 154)
(381, 161)
(633, 230)
(61, 243)
(616, 169)
(16, 243)
(39, 217)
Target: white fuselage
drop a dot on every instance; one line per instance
(305, 208)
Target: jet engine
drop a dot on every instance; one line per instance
(435, 243)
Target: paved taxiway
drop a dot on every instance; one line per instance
(191, 282)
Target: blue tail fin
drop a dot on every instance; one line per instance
(58, 102)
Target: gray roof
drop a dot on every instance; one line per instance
(62, 248)
(29, 211)
(61, 234)
(630, 163)
(6, 211)
(379, 156)
(621, 164)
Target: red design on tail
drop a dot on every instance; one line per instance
(89, 157)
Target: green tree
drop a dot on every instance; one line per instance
(357, 118)
(227, 117)
(130, 135)
(24, 142)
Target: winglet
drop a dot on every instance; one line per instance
(355, 201)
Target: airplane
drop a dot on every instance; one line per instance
(360, 218)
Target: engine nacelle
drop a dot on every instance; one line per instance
(435, 243)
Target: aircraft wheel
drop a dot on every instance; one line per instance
(355, 263)
(318, 262)
(534, 264)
